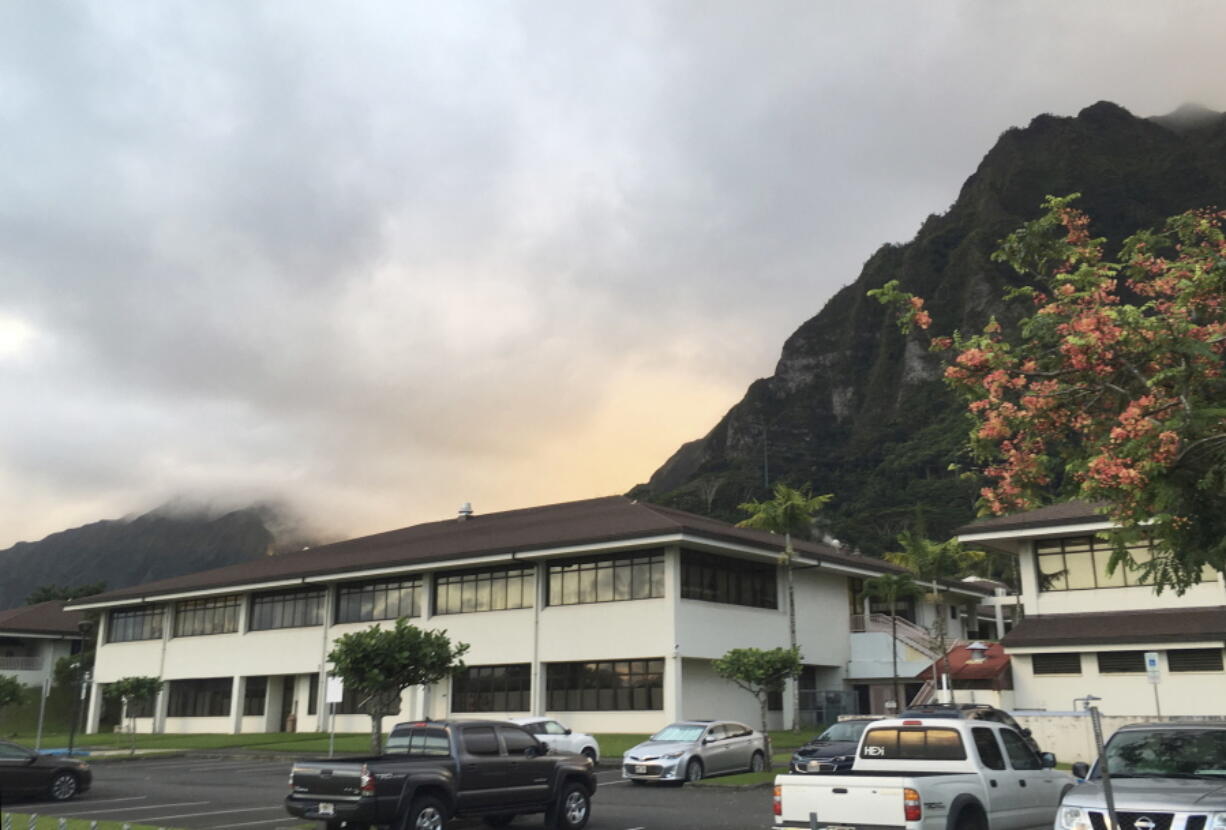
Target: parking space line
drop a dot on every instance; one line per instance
(147, 807)
(74, 805)
(208, 813)
(251, 823)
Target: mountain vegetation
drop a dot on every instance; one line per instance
(166, 542)
(857, 408)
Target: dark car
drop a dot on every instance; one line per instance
(831, 751)
(971, 711)
(24, 772)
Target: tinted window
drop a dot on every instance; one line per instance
(13, 751)
(919, 744)
(1020, 755)
(480, 740)
(418, 742)
(552, 727)
(988, 748)
(717, 732)
(517, 740)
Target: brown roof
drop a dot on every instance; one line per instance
(591, 521)
(1120, 627)
(994, 663)
(1069, 512)
(43, 618)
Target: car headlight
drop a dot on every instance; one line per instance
(1219, 822)
(674, 754)
(1072, 818)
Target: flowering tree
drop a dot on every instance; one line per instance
(1113, 390)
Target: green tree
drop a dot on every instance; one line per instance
(789, 512)
(760, 672)
(132, 692)
(378, 664)
(934, 563)
(12, 691)
(1113, 391)
(45, 593)
(890, 588)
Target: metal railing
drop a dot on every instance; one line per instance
(915, 636)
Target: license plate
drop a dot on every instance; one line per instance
(326, 808)
(641, 769)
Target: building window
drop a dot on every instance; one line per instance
(488, 589)
(200, 698)
(128, 624)
(313, 694)
(387, 599)
(1061, 663)
(1194, 659)
(1079, 563)
(255, 694)
(1121, 662)
(287, 609)
(613, 685)
(216, 615)
(505, 688)
(607, 579)
(713, 578)
(351, 702)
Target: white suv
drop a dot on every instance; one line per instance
(559, 738)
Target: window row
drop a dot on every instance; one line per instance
(1130, 662)
(602, 686)
(1079, 563)
(619, 578)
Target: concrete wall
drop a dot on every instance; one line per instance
(34, 660)
(1070, 735)
(871, 657)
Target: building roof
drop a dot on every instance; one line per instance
(995, 663)
(1120, 628)
(43, 618)
(557, 527)
(1053, 515)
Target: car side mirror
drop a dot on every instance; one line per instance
(1081, 770)
(708, 740)
(1048, 759)
(1025, 733)
(536, 751)
(567, 732)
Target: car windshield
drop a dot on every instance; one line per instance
(1168, 753)
(679, 732)
(849, 730)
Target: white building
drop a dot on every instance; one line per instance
(1088, 632)
(34, 637)
(606, 613)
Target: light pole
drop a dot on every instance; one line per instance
(84, 626)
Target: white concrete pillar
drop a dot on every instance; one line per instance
(537, 699)
(94, 712)
(160, 704)
(674, 700)
(238, 689)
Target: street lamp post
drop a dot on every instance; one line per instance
(83, 676)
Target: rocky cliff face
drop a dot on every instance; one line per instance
(857, 409)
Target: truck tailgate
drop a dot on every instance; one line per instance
(331, 782)
(851, 800)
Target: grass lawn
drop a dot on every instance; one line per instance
(21, 821)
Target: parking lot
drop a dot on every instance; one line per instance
(204, 792)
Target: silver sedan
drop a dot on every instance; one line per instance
(691, 750)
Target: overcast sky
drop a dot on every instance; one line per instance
(380, 259)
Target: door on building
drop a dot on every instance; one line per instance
(289, 706)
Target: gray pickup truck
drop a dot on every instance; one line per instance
(1164, 776)
(435, 770)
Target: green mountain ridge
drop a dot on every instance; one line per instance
(856, 408)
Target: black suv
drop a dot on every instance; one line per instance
(971, 711)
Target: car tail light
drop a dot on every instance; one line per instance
(366, 782)
(778, 801)
(911, 806)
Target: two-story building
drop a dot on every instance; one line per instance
(606, 613)
(34, 637)
(1087, 632)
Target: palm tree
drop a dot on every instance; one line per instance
(789, 511)
(890, 588)
(934, 562)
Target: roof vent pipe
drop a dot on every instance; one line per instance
(466, 510)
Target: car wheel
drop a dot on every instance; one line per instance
(971, 819)
(589, 753)
(757, 763)
(693, 770)
(426, 813)
(500, 820)
(572, 809)
(63, 786)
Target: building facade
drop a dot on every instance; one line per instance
(34, 637)
(604, 613)
(1088, 632)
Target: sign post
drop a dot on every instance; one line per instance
(1154, 672)
(42, 711)
(333, 694)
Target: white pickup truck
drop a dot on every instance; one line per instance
(929, 774)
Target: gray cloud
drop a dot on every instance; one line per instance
(382, 258)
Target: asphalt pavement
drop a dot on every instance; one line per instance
(201, 791)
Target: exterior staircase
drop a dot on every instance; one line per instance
(915, 636)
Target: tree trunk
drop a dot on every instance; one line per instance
(376, 734)
(792, 634)
(898, 702)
